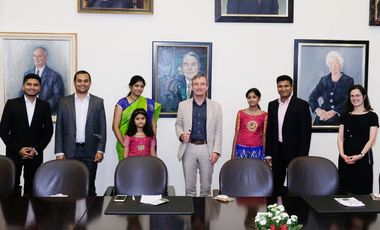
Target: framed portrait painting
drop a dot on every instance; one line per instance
(174, 65)
(324, 71)
(276, 11)
(374, 12)
(52, 56)
(116, 6)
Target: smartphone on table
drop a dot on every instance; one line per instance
(120, 198)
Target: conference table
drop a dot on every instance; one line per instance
(89, 213)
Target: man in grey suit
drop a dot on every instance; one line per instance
(81, 127)
(199, 128)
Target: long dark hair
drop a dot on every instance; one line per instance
(254, 91)
(132, 128)
(134, 80)
(350, 106)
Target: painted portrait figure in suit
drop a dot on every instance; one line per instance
(179, 89)
(52, 88)
(332, 89)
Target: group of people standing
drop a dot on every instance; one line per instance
(277, 136)
(284, 133)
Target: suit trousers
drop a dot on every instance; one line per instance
(279, 165)
(197, 157)
(30, 167)
(92, 166)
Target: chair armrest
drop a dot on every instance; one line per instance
(170, 190)
(110, 191)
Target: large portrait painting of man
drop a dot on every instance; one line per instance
(174, 66)
(51, 56)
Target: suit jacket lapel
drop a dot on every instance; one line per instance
(90, 106)
(24, 112)
(190, 114)
(72, 109)
(209, 115)
(36, 109)
(290, 107)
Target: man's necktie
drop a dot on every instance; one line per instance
(38, 72)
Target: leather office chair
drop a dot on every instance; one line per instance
(68, 177)
(7, 176)
(140, 176)
(245, 177)
(312, 176)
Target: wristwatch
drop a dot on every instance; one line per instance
(362, 154)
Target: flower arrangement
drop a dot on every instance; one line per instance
(276, 218)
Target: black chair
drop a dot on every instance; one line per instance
(312, 176)
(7, 176)
(67, 177)
(140, 176)
(245, 177)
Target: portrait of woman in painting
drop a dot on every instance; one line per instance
(327, 100)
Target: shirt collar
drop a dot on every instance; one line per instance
(29, 101)
(87, 96)
(287, 100)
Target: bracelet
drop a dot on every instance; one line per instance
(362, 154)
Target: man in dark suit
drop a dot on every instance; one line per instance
(52, 88)
(81, 127)
(288, 131)
(26, 129)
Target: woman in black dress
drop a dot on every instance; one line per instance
(357, 134)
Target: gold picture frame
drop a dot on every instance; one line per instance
(116, 6)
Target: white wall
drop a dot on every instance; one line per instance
(113, 47)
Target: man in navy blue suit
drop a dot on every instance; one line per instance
(252, 7)
(52, 88)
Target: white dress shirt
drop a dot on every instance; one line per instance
(30, 106)
(39, 71)
(81, 108)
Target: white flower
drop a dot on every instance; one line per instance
(289, 221)
(294, 218)
(281, 208)
(263, 222)
(284, 215)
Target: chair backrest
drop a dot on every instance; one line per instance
(245, 177)
(141, 176)
(7, 176)
(68, 177)
(312, 176)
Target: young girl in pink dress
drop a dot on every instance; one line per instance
(139, 139)
(249, 139)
